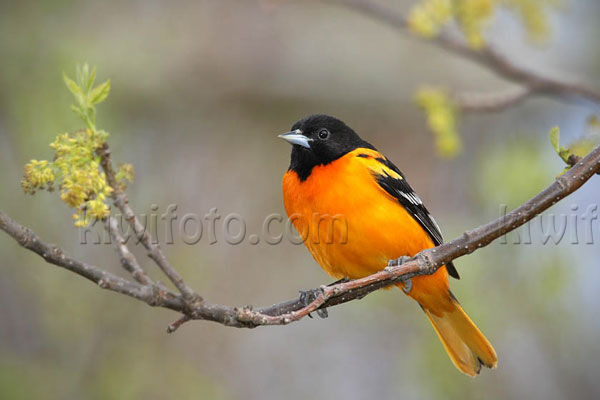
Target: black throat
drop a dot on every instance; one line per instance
(304, 160)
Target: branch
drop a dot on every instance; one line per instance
(154, 251)
(532, 81)
(128, 260)
(490, 102)
(106, 280)
(426, 262)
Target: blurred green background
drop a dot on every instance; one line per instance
(199, 92)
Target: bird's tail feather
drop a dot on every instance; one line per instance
(466, 346)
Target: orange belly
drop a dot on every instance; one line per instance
(352, 226)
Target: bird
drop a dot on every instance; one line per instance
(375, 218)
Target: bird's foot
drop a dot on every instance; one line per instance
(407, 283)
(308, 296)
(398, 261)
(407, 286)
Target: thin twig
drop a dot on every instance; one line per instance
(128, 260)
(175, 325)
(154, 251)
(490, 102)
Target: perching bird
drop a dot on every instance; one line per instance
(376, 217)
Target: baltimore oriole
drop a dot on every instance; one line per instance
(334, 172)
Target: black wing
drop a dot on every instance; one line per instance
(406, 196)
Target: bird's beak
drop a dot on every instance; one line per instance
(296, 137)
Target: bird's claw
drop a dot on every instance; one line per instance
(407, 286)
(308, 296)
(322, 312)
(397, 262)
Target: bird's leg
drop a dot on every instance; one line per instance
(308, 296)
(407, 283)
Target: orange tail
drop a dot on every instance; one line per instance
(465, 344)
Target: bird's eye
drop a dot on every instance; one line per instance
(323, 134)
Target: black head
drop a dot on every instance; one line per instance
(318, 140)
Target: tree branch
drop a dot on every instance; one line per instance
(154, 251)
(106, 280)
(490, 102)
(128, 260)
(426, 262)
(531, 81)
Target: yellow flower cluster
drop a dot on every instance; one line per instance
(442, 116)
(76, 172)
(38, 175)
(125, 174)
(473, 16)
(533, 13)
(75, 168)
(428, 17)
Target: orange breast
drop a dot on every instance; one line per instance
(350, 224)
